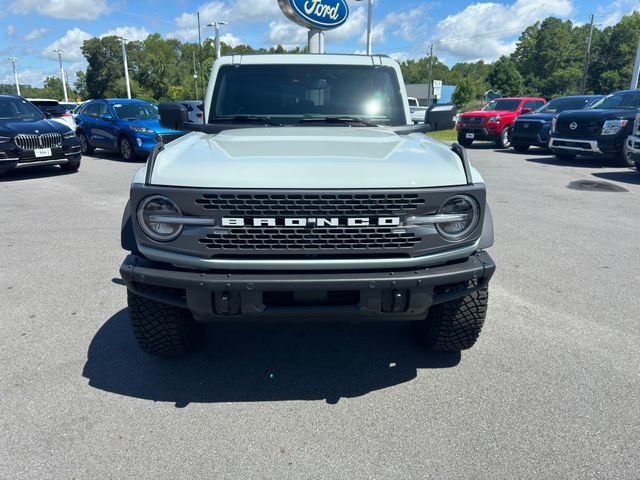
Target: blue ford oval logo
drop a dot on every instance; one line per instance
(319, 14)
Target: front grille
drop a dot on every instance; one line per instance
(473, 120)
(274, 239)
(523, 126)
(167, 137)
(583, 128)
(311, 204)
(33, 142)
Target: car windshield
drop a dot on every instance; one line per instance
(502, 104)
(54, 109)
(18, 110)
(291, 93)
(135, 111)
(558, 105)
(621, 100)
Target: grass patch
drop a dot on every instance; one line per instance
(445, 135)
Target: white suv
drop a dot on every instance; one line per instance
(55, 111)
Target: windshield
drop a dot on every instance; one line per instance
(506, 105)
(621, 100)
(54, 109)
(135, 111)
(290, 93)
(563, 104)
(19, 110)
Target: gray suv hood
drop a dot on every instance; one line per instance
(307, 158)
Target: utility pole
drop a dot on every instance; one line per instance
(636, 69)
(199, 48)
(430, 95)
(195, 75)
(126, 66)
(587, 58)
(15, 74)
(369, 28)
(64, 83)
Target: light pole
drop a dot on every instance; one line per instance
(369, 26)
(217, 26)
(15, 73)
(64, 83)
(126, 67)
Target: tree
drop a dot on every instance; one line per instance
(463, 93)
(105, 71)
(506, 78)
(81, 85)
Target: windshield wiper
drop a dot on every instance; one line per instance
(346, 120)
(247, 119)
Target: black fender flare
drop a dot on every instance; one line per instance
(127, 237)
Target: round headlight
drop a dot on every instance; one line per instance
(150, 214)
(467, 212)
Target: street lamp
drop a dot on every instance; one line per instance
(369, 25)
(64, 83)
(217, 26)
(15, 73)
(126, 67)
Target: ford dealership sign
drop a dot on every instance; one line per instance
(317, 14)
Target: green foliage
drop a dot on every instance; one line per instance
(506, 78)
(463, 93)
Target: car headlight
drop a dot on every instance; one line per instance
(495, 119)
(5, 139)
(139, 129)
(151, 213)
(612, 127)
(69, 134)
(554, 124)
(463, 214)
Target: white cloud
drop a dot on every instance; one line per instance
(11, 30)
(286, 33)
(71, 43)
(612, 14)
(486, 30)
(231, 40)
(64, 9)
(37, 33)
(130, 33)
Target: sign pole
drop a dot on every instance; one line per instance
(316, 41)
(636, 70)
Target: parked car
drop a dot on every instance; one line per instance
(52, 109)
(195, 109)
(493, 121)
(417, 112)
(535, 129)
(601, 131)
(28, 138)
(130, 127)
(633, 142)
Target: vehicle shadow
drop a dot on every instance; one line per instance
(112, 156)
(262, 362)
(31, 173)
(631, 176)
(577, 162)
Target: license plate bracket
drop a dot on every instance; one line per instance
(42, 152)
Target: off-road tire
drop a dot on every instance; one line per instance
(454, 325)
(520, 148)
(503, 140)
(465, 142)
(71, 166)
(85, 146)
(565, 156)
(624, 158)
(163, 330)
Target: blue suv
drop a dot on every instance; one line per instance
(129, 126)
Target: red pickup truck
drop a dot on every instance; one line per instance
(493, 121)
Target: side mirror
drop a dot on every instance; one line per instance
(525, 110)
(173, 115)
(107, 118)
(441, 116)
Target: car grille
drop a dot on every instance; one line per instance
(167, 137)
(522, 126)
(33, 142)
(473, 120)
(584, 128)
(313, 204)
(275, 239)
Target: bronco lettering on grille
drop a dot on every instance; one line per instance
(311, 222)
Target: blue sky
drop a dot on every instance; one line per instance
(461, 31)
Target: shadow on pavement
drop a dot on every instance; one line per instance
(112, 156)
(631, 176)
(578, 162)
(32, 173)
(250, 362)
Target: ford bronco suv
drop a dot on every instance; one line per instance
(493, 121)
(307, 193)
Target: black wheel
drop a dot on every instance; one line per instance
(565, 156)
(465, 142)
(504, 140)
(163, 330)
(126, 149)
(521, 148)
(85, 146)
(72, 166)
(624, 158)
(454, 325)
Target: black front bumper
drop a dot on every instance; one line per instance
(535, 139)
(479, 133)
(388, 295)
(591, 147)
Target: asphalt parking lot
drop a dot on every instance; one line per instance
(550, 391)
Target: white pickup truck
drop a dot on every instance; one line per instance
(307, 193)
(417, 112)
